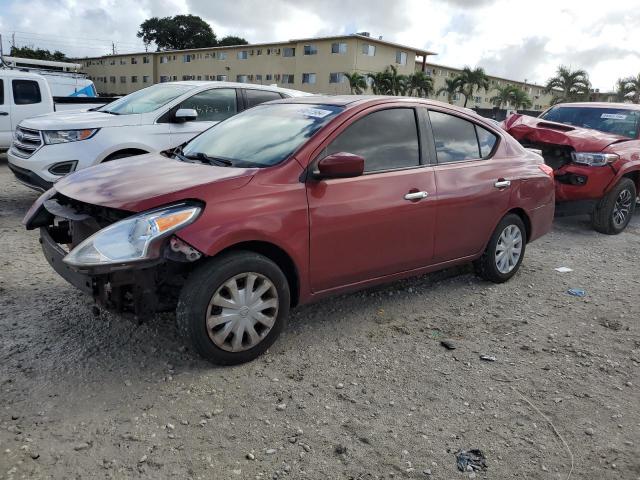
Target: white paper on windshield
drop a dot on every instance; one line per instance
(315, 112)
(614, 116)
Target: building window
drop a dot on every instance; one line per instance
(401, 57)
(145, 59)
(134, 79)
(241, 78)
(222, 55)
(145, 79)
(259, 51)
(309, 78)
(289, 52)
(186, 58)
(188, 77)
(242, 55)
(336, 77)
(123, 79)
(112, 62)
(368, 50)
(123, 61)
(221, 78)
(164, 78)
(164, 59)
(339, 48)
(310, 50)
(134, 61)
(287, 78)
(268, 77)
(112, 79)
(258, 77)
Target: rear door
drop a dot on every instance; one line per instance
(473, 184)
(6, 129)
(376, 224)
(29, 97)
(212, 105)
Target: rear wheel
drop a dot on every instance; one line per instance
(505, 250)
(234, 307)
(614, 211)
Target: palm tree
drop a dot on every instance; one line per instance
(568, 86)
(621, 90)
(504, 95)
(632, 88)
(420, 84)
(451, 87)
(380, 83)
(357, 82)
(520, 98)
(398, 82)
(472, 79)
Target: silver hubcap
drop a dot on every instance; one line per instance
(622, 208)
(509, 249)
(242, 312)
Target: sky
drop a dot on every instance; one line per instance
(514, 39)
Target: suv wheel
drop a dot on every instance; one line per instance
(614, 211)
(505, 250)
(233, 307)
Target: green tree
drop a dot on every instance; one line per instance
(621, 90)
(420, 85)
(520, 98)
(398, 82)
(451, 88)
(380, 83)
(38, 54)
(357, 82)
(632, 88)
(231, 40)
(472, 80)
(176, 33)
(504, 95)
(568, 85)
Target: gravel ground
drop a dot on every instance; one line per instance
(359, 387)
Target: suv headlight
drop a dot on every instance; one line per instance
(133, 239)
(594, 159)
(64, 136)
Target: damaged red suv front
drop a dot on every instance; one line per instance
(594, 150)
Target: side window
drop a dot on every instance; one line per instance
(256, 97)
(1, 91)
(26, 92)
(213, 105)
(386, 139)
(487, 141)
(455, 138)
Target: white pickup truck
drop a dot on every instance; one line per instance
(24, 94)
(153, 119)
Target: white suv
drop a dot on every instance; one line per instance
(157, 118)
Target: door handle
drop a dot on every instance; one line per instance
(4, 114)
(502, 184)
(416, 195)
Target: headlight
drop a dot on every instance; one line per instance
(64, 136)
(594, 159)
(132, 239)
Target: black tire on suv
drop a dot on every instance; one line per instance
(233, 307)
(504, 241)
(614, 211)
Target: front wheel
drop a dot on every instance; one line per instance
(505, 250)
(233, 307)
(614, 211)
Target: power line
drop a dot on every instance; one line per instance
(84, 39)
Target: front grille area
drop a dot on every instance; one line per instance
(25, 142)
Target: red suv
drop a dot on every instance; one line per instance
(290, 202)
(594, 149)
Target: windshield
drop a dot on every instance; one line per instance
(145, 100)
(261, 136)
(619, 121)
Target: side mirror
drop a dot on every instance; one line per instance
(185, 115)
(340, 165)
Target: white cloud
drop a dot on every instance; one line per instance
(511, 39)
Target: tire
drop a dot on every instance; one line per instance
(614, 211)
(488, 265)
(217, 342)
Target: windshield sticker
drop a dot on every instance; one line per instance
(315, 112)
(614, 116)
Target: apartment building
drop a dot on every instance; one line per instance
(482, 99)
(315, 65)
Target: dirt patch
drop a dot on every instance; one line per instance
(359, 386)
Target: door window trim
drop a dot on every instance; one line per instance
(475, 124)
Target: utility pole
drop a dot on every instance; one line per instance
(1, 49)
(13, 39)
(113, 48)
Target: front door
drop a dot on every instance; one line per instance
(6, 130)
(382, 222)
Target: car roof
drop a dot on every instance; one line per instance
(627, 106)
(203, 85)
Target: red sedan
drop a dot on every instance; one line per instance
(290, 202)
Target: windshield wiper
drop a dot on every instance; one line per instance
(110, 112)
(210, 160)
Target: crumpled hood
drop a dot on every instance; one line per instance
(79, 119)
(536, 131)
(146, 181)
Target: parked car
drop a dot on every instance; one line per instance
(290, 202)
(25, 94)
(153, 119)
(594, 150)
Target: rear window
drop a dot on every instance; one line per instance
(26, 92)
(458, 139)
(619, 121)
(256, 97)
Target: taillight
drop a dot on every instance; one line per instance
(546, 169)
